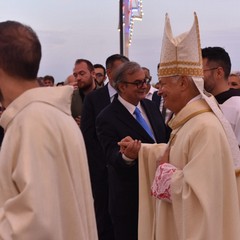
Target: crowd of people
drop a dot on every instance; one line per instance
(72, 152)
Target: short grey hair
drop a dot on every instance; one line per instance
(127, 68)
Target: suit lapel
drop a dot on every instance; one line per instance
(105, 95)
(129, 121)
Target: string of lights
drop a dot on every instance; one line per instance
(136, 13)
(130, 10)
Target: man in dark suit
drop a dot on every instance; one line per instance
(94, 103)
(116, 122)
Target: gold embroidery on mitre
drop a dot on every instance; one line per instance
(195, 72)
(166, 64)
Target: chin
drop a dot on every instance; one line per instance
(142, 95)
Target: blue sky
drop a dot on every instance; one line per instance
(71, 29)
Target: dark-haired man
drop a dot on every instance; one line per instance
(84, 74)
(44, 181)
(100, 74)
(130, 114)
(48, 81)
(216, 69)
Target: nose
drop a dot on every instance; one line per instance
(144, 84)
(78, 78)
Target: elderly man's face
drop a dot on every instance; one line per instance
(169, 89)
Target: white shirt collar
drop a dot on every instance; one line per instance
(112, 91)
(130, 107)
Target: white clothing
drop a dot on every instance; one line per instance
(150, 92)
(44, 178)
(112, 91)
(231, 110)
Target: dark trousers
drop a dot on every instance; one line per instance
(104, 223)
(125, 227)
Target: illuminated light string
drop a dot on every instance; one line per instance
(135, 11)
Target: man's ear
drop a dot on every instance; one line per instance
(184, 82)
(108, 72)
(121, 87)
(220, 72)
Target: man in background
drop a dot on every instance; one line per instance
(216, 69)
(48, 81)
(85, 77)
(100, 74)
(234, 80)
(152, 94)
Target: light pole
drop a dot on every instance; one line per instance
(121, 25)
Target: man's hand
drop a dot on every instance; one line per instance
(130, 147)
(78, 120)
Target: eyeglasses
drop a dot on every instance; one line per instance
(139, 83)
(210, 69)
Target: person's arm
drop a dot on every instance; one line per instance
(108, 136)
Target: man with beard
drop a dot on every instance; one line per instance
(84, 74)
(216, 69)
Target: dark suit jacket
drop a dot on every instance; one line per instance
(94, 103)
(113, 124)
(156, 98)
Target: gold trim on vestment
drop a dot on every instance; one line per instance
(173, 136)
(190, 116)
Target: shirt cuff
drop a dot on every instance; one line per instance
(127, 160)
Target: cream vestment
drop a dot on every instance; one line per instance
(203, 189)
(45, 191)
